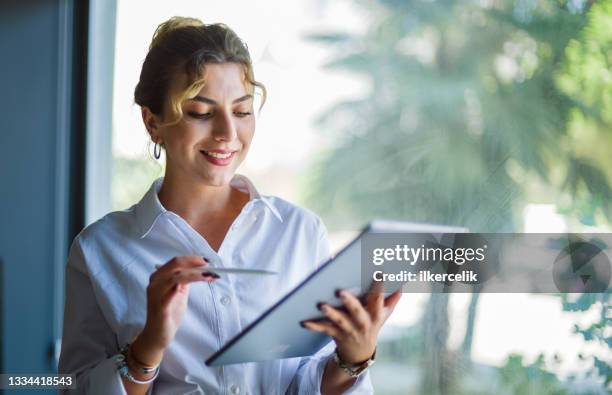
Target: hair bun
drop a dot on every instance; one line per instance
(176, 22)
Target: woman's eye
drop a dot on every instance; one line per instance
(242, 114)
(205, 115)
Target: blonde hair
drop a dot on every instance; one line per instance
(183, 46)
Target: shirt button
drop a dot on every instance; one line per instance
(234, 389)
(225, 300)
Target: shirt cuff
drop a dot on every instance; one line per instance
(362, 386)
(104, 378)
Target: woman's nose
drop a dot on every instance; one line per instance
(225, 127)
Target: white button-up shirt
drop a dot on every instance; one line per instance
(108, 271)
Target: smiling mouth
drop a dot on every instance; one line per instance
(218, 155)
(219, 158)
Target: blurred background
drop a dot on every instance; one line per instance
(490, 114)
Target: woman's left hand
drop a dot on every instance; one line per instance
(356, 330)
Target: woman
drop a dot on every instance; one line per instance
(140, 316)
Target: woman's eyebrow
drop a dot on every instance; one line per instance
(211, 101)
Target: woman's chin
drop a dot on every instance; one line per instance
(218, 180)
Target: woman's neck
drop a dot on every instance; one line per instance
(195, 201)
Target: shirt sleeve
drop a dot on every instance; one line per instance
(89, 345)
(309, 375)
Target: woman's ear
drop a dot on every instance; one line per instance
(151, 122)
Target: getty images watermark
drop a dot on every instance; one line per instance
(487, 262)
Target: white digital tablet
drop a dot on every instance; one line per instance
(277, 332)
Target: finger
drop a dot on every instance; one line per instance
(192, 272)
(324, 327)
(175, 264)
(164, 284)
(167, 297)
(161, 284)
(182, 261)
(340, 319)
(358, 314)
(375, 303)
(181, 284)
(393, 299)
(391, 302)
(376, 287)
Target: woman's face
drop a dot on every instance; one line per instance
(214, 135)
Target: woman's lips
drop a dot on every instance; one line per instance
(217, 160)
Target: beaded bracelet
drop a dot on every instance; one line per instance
(124, 370)
(135, 364)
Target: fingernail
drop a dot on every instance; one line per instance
(157, 266)
(209, 274)
(338, 293)
(303, 324)
(320, 306)
(205, 260)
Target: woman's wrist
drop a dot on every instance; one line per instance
(143, 352)
(354, 369)
(355, 358)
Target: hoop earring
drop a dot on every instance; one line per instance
(156, 152)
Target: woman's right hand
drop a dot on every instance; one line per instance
(167, 296)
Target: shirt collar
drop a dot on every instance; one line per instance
(243, 184)
(149, 208)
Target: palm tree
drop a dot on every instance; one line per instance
(469, 100)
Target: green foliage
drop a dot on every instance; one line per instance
(131, 180)
(586, 76)
(470, 102)
(597, 332)
(462, 91)
(519, 378)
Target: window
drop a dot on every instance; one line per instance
(487, 114)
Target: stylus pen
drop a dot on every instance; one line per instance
(235, 270)
(230, 270)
